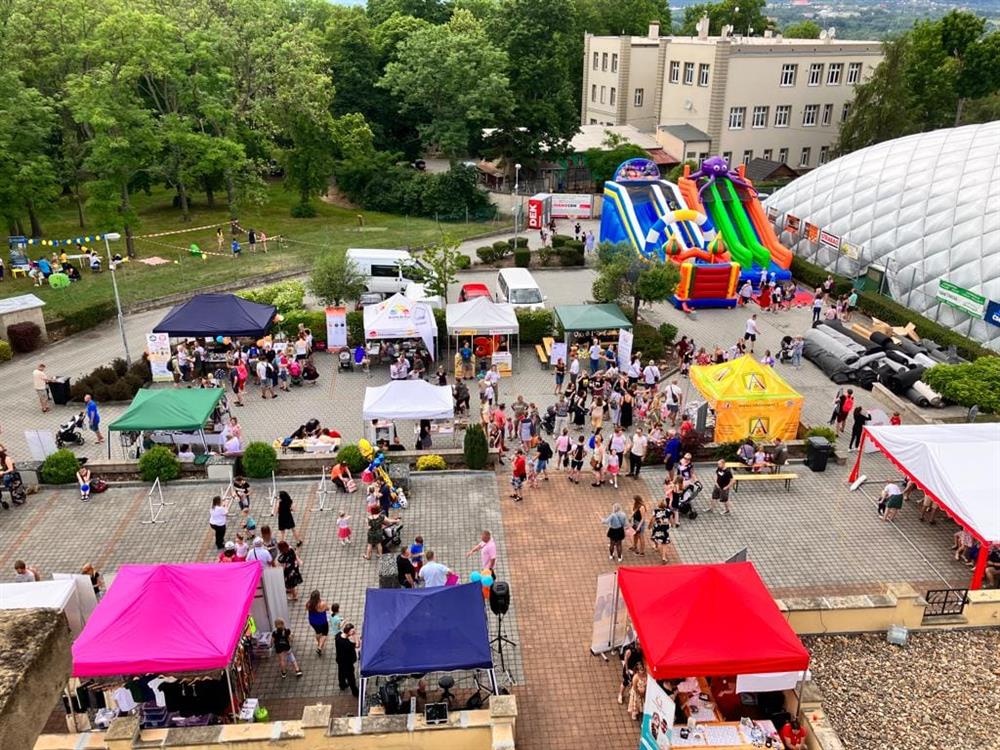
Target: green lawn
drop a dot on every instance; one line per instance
(333, 228)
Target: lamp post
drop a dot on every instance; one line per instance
(517, 207)
(114, 237)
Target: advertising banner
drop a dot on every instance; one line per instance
(961, 299)
(993, 313)
(504, 363)
(624, 348)
(336, 328)
(572, 206)
(539, 211)
(772, 213)
(657, 717)
(812, 232)
(829, 239)
(849, 250)
(609, 630)
(792, 224)
(558, 352)
(158, 350)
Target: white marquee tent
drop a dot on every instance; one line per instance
(400, 318)
(481, 315)
(958, 465)
(409, 399)
(64, 595)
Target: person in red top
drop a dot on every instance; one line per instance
(793, 736)
(519, 472)
(845, 409)
(895, 419)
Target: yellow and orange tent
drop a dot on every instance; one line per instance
(749, 399)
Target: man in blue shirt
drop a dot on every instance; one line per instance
(672, 452)
(93, 417)
(466, 354)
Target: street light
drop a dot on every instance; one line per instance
(114, 237)
(517, 208)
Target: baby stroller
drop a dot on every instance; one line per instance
(295, 373)
(785, 355)
(68, 434)
(686, 508)
(15, 486)
(549, 420)
(346, 358)
(309, 373)
(392, 536)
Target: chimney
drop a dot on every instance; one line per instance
(654, 29)
(702, 27)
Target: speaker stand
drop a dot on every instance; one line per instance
(497, 642)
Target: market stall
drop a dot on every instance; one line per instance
(411, 400)
(415, 631)
(210, 315)
(174, 416)
(176, 636)
(487, 326)
(953, 464)
(749, 399)
(716, 634)
(581, 323)
(400, 318)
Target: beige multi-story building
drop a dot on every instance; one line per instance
(742, 97)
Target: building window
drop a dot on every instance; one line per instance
(675, 71)
(703, 155)
(736, 117)
(611, 99)
(602, 94)
(597, 60)
(788, 72)
(824, 154)
(805, 157)
(815, 74)
(809, 115)
(703, 74)
(688, 74)
(760, 115)
(833, 74)
(614, 62)
(728, 156)
(853, 72)
(827, 115)
(783, 155)
(768, 153)
(748, 156)
(782, 114)
(845, 111)
(689, 155)
(637, 99)
(604, 61)
(593, 92)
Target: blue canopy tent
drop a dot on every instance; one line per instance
(414, 631)
(210, 315)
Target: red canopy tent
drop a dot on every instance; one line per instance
(708, 621)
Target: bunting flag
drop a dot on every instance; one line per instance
(20, 241)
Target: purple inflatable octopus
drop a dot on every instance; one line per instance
(714, 167)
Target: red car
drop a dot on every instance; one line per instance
(471, 291)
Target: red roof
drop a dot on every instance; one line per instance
(709, 620)
(661, 158)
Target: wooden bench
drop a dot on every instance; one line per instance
(740, 466)
(786, 478)
(547, 343)
(543, 358)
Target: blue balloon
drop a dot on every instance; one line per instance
(219, 339)
(487, 581)
(475, 576)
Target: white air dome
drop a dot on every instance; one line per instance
(926, 207)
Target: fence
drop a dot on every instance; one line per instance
(945, 602)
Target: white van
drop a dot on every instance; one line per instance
(518, 287)
(386, 271)
(418, 293)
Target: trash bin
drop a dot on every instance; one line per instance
(59, 388)
(818, 453)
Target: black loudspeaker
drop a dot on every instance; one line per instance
(500, 597)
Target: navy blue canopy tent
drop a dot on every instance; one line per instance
(210, 315)
(414, 631)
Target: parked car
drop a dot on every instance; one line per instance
(518, 287)
(369, 298)
(387, 271)
(471, 291)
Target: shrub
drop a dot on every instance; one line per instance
(668, 332)
(576, 245)
(120, 391)
(534, 325)
(314, 320)
(485, 253)
(5, 351)
(522, 257)
(259, 460)
(105, 374)
(432, 462)
(558, 240)
(355, 327)
(475, 447)
(114, 382)
(647, 340)
(693, 441)
(517, 242)
(569, 256)
(973, 384)
(350, 455)
(494, 253)
(24, 337)
(119, 366)
(727, 451)
(504, 247)
(823, 432)
(813, 276)
(303, 211)
(286, 296)
(90, 316)
(60, 467)
(159, 462)
(140, 368)
(462, 262)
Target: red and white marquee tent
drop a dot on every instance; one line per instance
(957, 465)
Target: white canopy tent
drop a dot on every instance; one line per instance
(409, 399)
(401, 318)
(480, 316)
(63, 595)
(958, 465)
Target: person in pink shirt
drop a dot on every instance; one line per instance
(241, 380)
(487, 549)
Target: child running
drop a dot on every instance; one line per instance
(344, 528)
(281, 638)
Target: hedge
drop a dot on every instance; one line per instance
(647, 340)
(159, 462)
(535, 325)
(24, 337)
(350, 456)
(493, 253)
(114, 382)
(5, 351)
(60, 467)
(973, 384)
(314, 320)
(518, 242)
(259, 460)
(889, 311)
(431, 462)
(522, 257)
(286, 296)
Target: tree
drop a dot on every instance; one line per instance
(442, 260)
(603, 162)
(623, 276)
(807, 29)
(971, 384)
(434, 11)
(677, 172)
(628, 17)
(452, 81)
(745, 16)
(335, 279)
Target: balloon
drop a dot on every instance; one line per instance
(475, 576)
(279, 318)
(220, 339)
(227, 340)
(487, 581)
(365, 447)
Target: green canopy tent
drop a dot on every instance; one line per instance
(590, 319)
(168, 410)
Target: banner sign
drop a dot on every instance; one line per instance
(572, 206)
(812, 232)
(657, 717)
(558, 352)
(158, 350)
(993, 313)
(829, 239)
(610, 617)
(624, 348)
(772, 213)
(504, 363)
(849, 250)
(336, 328)
(791, 224)
(961, 299)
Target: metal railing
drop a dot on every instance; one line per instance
(945, 602)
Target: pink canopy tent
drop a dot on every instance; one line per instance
(162, 619)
